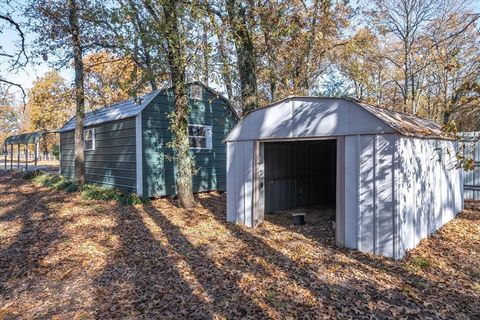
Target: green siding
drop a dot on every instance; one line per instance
(158, 159)
(112, 163)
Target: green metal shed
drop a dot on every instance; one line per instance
(127, 144)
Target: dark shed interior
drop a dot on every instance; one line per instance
(300, 174)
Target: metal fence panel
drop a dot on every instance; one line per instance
(472, 178)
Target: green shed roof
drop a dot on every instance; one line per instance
(26, 138)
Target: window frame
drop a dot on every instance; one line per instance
(84, 139)
(196, 92)
(208, 137)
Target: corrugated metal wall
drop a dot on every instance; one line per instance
(240, 167)
(472, 178)
(429, 188)
(112, 163)
(369, 193)
(299, 174)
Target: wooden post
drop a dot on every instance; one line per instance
(18, 156)
(26, 157)
(11, 157)
(5, 153)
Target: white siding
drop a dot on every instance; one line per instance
(367, 205)
(240, 161)
(371, 199)
(429, 188)
(385, 195)
(340, 192)
(351, 191)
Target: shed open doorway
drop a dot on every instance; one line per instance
(299, 177)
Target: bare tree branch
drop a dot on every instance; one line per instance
(22, 36)
(10, 84)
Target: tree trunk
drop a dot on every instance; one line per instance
(405, 81)
(226, 73)
(141, 32)
(206, 55)
(246, 60)
(79, 92)
(179, 121)
(222, 50)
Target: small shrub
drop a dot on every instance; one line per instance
(53, 181)
(65, 185)
(71, 187)
(30, 175)
(94, 192)
(420, 262)
(43, 179)
(89, 191)
(132, 199)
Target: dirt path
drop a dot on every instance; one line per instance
(63, 257)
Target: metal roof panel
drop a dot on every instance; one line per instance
(27, 138)
(122, 110)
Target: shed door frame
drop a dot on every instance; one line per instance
(259, 184)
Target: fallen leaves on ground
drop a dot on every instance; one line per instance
(66, 258)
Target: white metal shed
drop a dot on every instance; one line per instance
(394, 176)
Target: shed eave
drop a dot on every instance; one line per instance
(95, 124)
(319, 137)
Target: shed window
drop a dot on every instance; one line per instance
(89, 139)
(199, 136)
(195, 92)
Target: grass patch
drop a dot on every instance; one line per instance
(94, 192)
(475, 272)
(420, 262)
(54, 181)
(88, 191)
(133, 199)
(30, 175)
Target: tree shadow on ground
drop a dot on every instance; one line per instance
(31, 213)
(159, 261)
(415, 291)
(142, 278)
(21, 260)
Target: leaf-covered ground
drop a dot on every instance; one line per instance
(63, 257)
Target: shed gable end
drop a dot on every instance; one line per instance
(308, 117)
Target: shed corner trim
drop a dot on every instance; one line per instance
(139, 154)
